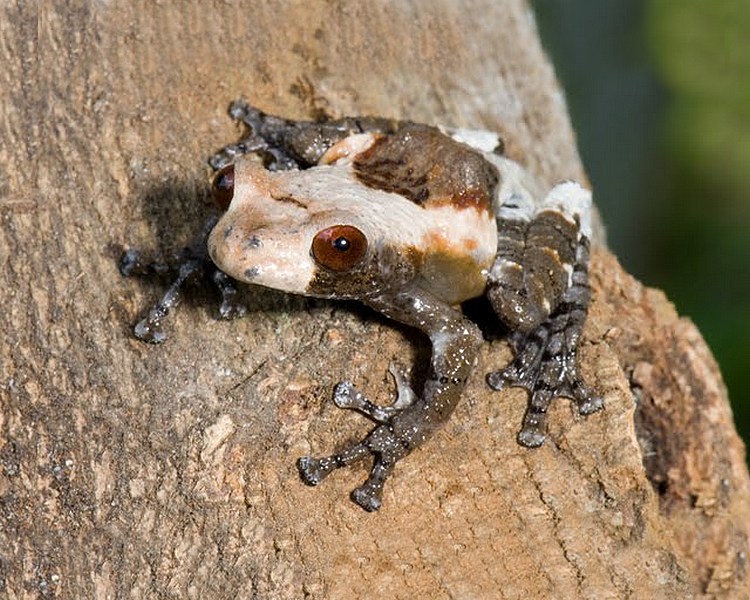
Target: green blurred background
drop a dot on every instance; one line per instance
(659, 93)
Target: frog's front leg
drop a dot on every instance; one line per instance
(191, 264)
(411, 419)
(539, 287)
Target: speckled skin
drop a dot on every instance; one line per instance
(437, 221)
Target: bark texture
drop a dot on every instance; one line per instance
(168, 472)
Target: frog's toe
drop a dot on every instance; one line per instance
(314, 470)
(346, 395)
(532, 436)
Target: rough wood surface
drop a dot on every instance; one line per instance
(168, 472)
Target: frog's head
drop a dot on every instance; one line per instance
(316, 232)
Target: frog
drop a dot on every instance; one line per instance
(411, 220)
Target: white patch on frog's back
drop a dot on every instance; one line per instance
(518, 196)
(336, 192)
(479, 139)
(572, 200)
(461, 228)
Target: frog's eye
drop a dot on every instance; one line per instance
(339, 248)
(222, 188)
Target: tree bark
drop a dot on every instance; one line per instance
(168, 471)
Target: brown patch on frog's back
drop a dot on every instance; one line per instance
(429, 168)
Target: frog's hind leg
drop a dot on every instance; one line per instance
(545, 357)
(381, 442)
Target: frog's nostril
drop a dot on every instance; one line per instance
(252, 242)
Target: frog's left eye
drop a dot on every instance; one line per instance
(339, 248)
(222, 188)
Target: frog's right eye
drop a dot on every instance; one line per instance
(222, 188)
(339, 248)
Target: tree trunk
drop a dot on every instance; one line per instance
(168, 471)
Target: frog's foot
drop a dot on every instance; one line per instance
(191, 265)
(545, 366)
(545, 362)
(383, 442)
